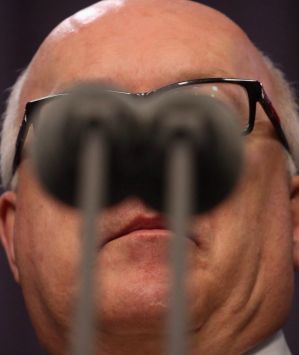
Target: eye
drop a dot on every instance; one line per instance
(232, 95)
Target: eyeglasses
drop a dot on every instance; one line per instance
(240, 95)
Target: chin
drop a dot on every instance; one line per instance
(135, 306)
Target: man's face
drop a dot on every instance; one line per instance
(239, 273)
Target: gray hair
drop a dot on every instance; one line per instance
(10, 127)
(286, 105)
(289, 111)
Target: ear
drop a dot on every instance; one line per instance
(295, 213)
(7, 227)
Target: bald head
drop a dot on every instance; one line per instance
(141, 45)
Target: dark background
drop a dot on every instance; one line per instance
(272, 25)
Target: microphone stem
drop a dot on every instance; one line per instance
(91, 195)
(179, 206)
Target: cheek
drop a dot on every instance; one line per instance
(46, 231)
(47, 248)
(252, 229)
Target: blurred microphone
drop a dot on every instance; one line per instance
(62, 129)
(139, 134)
(212, 135)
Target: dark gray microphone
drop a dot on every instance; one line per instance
(140, 134)
(179, 153)
(213, 136)
(62, 129)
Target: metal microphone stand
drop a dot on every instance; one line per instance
(91, 194)
(179, 207)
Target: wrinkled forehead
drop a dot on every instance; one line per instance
(140, 49)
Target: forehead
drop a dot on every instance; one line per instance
(140, 49)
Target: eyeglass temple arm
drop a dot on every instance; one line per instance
(273, 116)
(19, 144)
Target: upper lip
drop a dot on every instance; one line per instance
(137, 223)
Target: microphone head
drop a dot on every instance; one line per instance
(139, 136)
(61, 132)
(214, 135)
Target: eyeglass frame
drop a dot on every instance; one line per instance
(254, 88)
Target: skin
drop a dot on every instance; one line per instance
(240, 279)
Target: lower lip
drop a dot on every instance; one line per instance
(149, 233)
(143, 233)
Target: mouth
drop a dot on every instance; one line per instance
(143, 226)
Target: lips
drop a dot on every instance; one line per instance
(140, 222)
